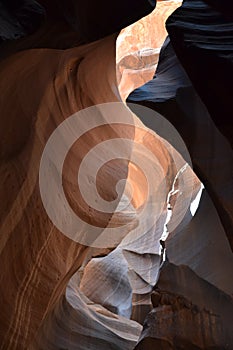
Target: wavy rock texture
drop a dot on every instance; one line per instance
(78, 323)
(198, 244)
(102, 275)
(169, 77)
(193, 310)
(39, 250)
(138, 47)
(211, 48)
(181, 105)
(60, 294)
(43, 258)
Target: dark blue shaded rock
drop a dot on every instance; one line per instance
(169, 76)
(19, 18)
(202, 38)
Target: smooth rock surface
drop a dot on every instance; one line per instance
(44, 79)
(138, 47)
(208, 148)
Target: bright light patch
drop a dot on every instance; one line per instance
(195, 204)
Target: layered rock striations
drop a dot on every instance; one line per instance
(182, 106)
(202, 244)
(193, 310)
(202, 50)
(138, 47)
(178, 322)
(74, 290)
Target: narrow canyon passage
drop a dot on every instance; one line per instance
(116, 175)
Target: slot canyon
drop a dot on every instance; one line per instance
(116, 163)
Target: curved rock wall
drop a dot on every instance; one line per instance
(62, 292)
